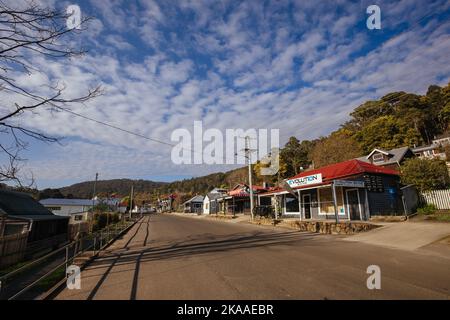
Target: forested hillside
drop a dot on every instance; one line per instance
(121, 187)
(397, 119)
(144, 188)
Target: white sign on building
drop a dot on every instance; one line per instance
(304, 181)
(349, 183)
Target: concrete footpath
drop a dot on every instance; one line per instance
(404, 235)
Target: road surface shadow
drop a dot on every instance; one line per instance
(189, 248)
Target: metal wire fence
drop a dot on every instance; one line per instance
(39, 275)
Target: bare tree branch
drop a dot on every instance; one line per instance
(26, 33)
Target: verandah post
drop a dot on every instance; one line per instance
(335, 203)
(300, 204)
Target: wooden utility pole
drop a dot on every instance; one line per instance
(250, 182)
(93, 203)
(131, 201)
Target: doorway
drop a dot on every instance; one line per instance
(307, 206)
(353, 204)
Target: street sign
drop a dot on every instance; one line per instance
(349, 183)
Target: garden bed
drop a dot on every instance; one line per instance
(437, 215)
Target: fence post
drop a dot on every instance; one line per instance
(439, 198)
(67, 257)
(95, 243)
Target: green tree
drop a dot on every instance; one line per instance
(447, 152)
(295, 155)
(387, 132)
(337, 147)
(425, 174)
(50, 193)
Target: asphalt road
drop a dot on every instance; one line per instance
(173, 257)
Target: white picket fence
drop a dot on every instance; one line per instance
(440, 198)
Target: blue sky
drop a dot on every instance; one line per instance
(296, 66)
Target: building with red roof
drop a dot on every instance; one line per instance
(237, 200)
(349, 190)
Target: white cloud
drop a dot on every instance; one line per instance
(233, 66)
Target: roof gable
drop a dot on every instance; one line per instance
(386, 153)
(197, 198)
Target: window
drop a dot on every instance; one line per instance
(378, 157)
(54, 208)
(78, 217)
(291, 203)
(326, 201)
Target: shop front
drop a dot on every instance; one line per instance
(350, 190)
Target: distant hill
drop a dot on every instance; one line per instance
(122, 187)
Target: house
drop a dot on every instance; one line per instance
(21, 211)
(76, 209)
(432, 151)
(210, 202)
(391, 159)
(165, 203)
(443, 140)
(436, 150)
(193, 205)
(237, 199)
(352, 190)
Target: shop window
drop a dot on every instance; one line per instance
(326, 201)
(291, 203)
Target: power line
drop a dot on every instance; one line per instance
(132, 132)
(195, 151)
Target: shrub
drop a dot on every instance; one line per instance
(101, 219)
(425, 174)
(427, 209)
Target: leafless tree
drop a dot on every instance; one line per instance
(26, 32)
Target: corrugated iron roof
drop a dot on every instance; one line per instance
(338, 171)
(345, 169)
(195, 199)
(21, 204)
(66, 202)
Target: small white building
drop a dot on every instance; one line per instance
(210, 202)
(77, 209)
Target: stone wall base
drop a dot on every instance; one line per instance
(328, 227)
(324, 227)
